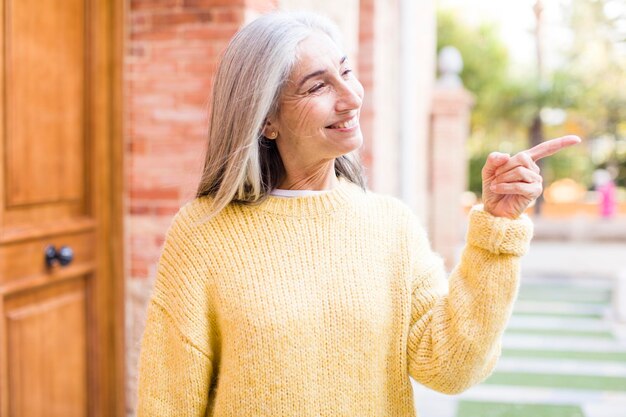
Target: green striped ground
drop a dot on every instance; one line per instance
(559, 314)
(559, 354)
(488, 409)
(563, 295)
(597, 383)
(557, 293)
(564, 333)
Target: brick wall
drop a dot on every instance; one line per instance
(172, 52)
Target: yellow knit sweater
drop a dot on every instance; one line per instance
(321, 305)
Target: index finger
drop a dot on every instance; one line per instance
(551, 147)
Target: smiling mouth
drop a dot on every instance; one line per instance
(344, 125)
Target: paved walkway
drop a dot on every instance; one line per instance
(575, 259)
(563, 355)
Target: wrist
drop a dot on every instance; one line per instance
(499, 234)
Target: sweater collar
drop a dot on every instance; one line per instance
(313, 205)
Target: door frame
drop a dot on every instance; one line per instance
(107, 185)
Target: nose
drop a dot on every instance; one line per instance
(349, 96)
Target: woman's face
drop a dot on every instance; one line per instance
(319, 111)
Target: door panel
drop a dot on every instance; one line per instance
(16, 260)
(46, 354)
(45, 93)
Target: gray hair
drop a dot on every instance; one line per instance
(241, 165)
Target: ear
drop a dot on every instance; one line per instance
(270, 130)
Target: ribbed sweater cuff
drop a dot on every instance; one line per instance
(499, 234)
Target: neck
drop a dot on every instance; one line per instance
(320, 178)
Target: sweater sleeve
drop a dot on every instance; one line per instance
(176, 358)
(456, 324)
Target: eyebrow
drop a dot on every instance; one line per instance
(319, 72)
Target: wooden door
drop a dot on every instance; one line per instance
(61, 351)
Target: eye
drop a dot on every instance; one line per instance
(316, 87)
(346, 72)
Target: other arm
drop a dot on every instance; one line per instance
(176, 359)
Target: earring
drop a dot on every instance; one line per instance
(273, 135)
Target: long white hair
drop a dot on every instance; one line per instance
(241, 165)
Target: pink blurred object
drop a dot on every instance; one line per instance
(608, 200)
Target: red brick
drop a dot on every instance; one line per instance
(168, 85)
(139, 19)
(139, 209)
(136, 50)
(204, 68)
(153, 35)
(180, 18)
(167, 210)
(195, 51)
(150, 98)
(154, 131)
(153, 4)
(154, 193)
(163, 147)
(140, 241)
(197, 98)
(228, 15)
(212, 3)
(149, 67)
(137, 147)
(209, 32)
(138, 268)
(366, 6)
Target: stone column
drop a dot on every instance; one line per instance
(447, 157)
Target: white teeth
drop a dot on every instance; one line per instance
(344, 125)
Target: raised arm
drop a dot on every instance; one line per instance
(457, 323)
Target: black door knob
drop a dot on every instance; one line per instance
(63, 255)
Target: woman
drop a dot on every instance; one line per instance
(287, 289)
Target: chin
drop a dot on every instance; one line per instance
(347, 144)
(356, 142)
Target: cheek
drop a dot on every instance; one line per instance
(312, 115)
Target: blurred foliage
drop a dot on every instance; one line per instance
(588, 89)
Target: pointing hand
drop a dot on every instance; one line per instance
(510, 184)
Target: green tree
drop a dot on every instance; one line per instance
(494, 126)
(596, 61)
(590, 86)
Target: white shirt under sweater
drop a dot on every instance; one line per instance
(279, 192)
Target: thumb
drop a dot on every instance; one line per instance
(494, 160)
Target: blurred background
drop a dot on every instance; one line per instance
(104, 115)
